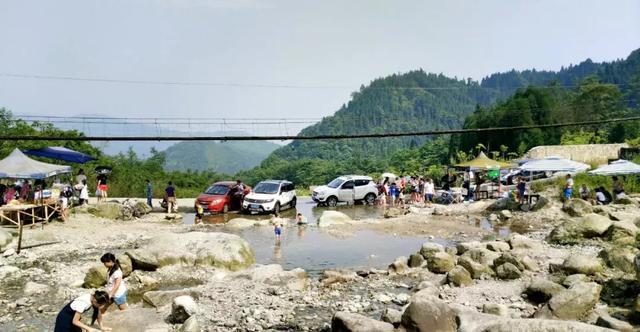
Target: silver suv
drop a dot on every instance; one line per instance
(348, 188)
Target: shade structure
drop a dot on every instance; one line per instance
(618, 167)
(483, 162)
(61, 153)
(18, 166)
(554, 164)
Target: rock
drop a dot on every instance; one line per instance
(440, 210)
(576, 207)
(530, 264)
(31, 288)
(518, 241)
(173, 216)
(476, 270)
(509, 258)
(622, 232)
(416, 260)
(575, 230)
(190, 325)
(182, 308)
(194, 248)
(574, 303)
(459, 277)
(453, 251)
(97, 275)
(399, 266)
(9, 252)
(505, 214)
(440, 262)
(401, 299)
(8, 270)
(329, 218)
(540, 203)
(428, 313)
(107, 210)
(394, 212)
(508, 271)
(430, 248)
(463, 247)
(136, 319)
(240, 223)
(503, 204)
(621, 258)
(498, 246)
(142, 208)
(274, 275)
(159, 299)
(541, 290)
(392, 316)
(625, 200)
(338, 275)
(495, 309)
(582, 264)
(482, 256)
(5, 239)
(349, 322)
(574, 279)
(605, 320)
(493, 217)
(384, 298)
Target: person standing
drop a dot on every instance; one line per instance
(170, 194)
(568, 189)
(429, 190)
(84, 193)
(149, 192)
(81, 176)
(102, 188)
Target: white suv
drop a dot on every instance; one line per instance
(348, 188)
(270, 195)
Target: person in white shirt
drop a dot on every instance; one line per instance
(68, 318)
(84, 193)
(115, 283)
(429, 190)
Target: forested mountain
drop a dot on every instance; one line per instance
(222, 157)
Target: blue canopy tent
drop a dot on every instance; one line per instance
(61, 153)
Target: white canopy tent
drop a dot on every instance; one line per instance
(554, 164)
(18, 166)
(618, 167)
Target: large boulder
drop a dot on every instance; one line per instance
(576, 207)
(5, 239)
(482, 256)
(574, 279)
(221, 250)
(621, 258)
(574, 303)
(541, 290)
(182, 308)
(623, 232)
(463, 247)
(459, 277)
(349, 322)
(430, 248)
(508, 271)
(275, 275)
(522, 242)
(330, 217)
(498, 246)
(108, 211)
(509, 258)
(476, 270)
(159, 299)
(440, 262)
(575, 230)
(416, 260)
(98, 274)
(582, 264)
(427, 313)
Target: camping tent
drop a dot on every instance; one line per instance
(618, 167)
(483, 162)
(61, 153)
(18, 166)
(554, 164)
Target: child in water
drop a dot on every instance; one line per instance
(115, 288)
(68, 318)
(199, 212)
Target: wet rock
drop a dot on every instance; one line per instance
(475, 269)
(582, 264)
(575, 230)
(482, 256)
(498, 246)
(32, 288)
(173, 216)
(329, 218)
(495, 309)
(394, 212)
(190, 325)
(349, 322)
(577, 207)
(574, 279)
(392, 316)
(416, 260)
(505, 214)
(541, 290)
(240, 223)
(518, 241)
(98, 274)
(574, 303)
(428, 313)
(463, 247)
(508, 271)
(5, 238)
(605, 320)
(159, 299)
(337, 276)
(509, 258)
(194, 248)
(182, 308)
(621, 258)
(440, 262)
(459, 277)
(430, 248)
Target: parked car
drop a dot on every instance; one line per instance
(509, 178)
(221, 197)
(270, 196)
(356, 188)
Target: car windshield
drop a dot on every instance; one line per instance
(335, 183)
(217, 189)
(266, 188)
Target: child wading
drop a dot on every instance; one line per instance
(69, 317)
(115, 284)
(199, 213)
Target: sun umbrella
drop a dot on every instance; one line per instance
(554, 164)
(618, 167)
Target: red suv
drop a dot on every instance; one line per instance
(221, 197)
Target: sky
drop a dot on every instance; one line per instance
(280, 59)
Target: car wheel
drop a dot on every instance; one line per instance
(370, 198)
(293, 203)
(225, 208)
(332, 201)
(276, 208)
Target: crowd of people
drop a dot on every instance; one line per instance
(600, 195)
(392, 192)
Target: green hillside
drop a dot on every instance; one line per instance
(221, 157)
